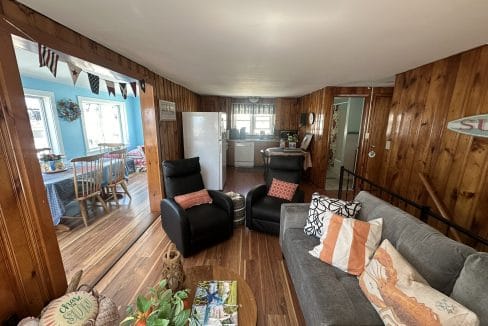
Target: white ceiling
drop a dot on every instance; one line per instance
(276, 47)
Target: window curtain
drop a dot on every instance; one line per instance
(250, 108)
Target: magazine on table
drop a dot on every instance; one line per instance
(215, 303)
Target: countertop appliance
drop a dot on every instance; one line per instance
(204, 136)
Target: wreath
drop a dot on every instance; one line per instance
(68, 110)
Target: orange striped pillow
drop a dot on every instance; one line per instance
(193, 198)
(347, 243)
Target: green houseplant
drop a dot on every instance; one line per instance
(160, 307)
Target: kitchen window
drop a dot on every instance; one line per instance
(256, 118)
(103, 122)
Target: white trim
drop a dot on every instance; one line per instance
(122, 113)
(52, 119)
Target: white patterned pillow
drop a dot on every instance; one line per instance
(322, 207)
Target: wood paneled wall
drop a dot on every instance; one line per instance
(320, 103)
(28, 247)
(424, 100)
(286, 109)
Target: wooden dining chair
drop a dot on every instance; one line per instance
(108, 147)
(88, 176)
(117, 173)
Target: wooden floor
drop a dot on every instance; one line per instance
(255, 256)
(95, 247)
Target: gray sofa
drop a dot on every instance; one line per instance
(328, 296)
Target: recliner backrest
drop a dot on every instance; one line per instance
(182, 176)
(286, 168)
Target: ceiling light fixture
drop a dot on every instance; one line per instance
(254, 99)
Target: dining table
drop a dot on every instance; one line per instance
(61, 194)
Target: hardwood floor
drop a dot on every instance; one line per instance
(253, 255)
(96, 247)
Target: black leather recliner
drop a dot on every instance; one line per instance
(197, 227)
(262, 211)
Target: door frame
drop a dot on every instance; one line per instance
(29, 246)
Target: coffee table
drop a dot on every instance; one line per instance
(247, 312)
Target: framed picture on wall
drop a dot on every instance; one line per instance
(167, 111)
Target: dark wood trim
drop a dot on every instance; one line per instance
(29, 244)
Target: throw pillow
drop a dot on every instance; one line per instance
(322, 207)
(401, 296)
(282, 189)
(193, 198)
(347, 243)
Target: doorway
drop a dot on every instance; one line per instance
(344, 134)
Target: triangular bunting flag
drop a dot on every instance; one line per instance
(48, 58)
(94, 83)
(123, 90)
(142, 83)
(74, 72)
(110, 87)
(133, 85)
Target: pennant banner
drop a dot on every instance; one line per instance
(110, 87)
(133, 85)
(74, 72)
(48, 58)
(123, 90)
(142, 83)
(94, 83)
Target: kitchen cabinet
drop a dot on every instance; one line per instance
(286, 114)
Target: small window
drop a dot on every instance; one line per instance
(103, 122)
(256, 118)
(43, 120)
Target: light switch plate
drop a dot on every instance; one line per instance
(388, 144)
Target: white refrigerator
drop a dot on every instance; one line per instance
(204, 135)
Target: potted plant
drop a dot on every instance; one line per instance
(160, 307)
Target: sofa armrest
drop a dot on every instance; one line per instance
(293, 216)
(175, 224)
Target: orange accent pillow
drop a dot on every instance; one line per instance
(193, 199)
(347, 243)
(282, 189)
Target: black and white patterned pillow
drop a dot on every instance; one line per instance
(323, 207)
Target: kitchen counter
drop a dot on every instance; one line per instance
(259, 144)
(255, 140)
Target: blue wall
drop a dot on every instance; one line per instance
(72, 132)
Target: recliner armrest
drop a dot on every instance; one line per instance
(223, 201)
(298, 197)
(253, 194)
(175, 224)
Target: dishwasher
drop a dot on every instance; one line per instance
(244, 154)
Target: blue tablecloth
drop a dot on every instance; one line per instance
(60, 190)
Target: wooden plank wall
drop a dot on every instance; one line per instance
(286, 110)
(320, 103)
(424, 100)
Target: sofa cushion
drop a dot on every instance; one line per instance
(471, 287)
(403, 297)
(327, 295)
(436, 257)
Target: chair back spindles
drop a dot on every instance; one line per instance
(87, 174)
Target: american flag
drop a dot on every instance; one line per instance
(48, 58)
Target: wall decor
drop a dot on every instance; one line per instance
(167, 111)
(311, 118)
(68, 110)
(476, 125)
